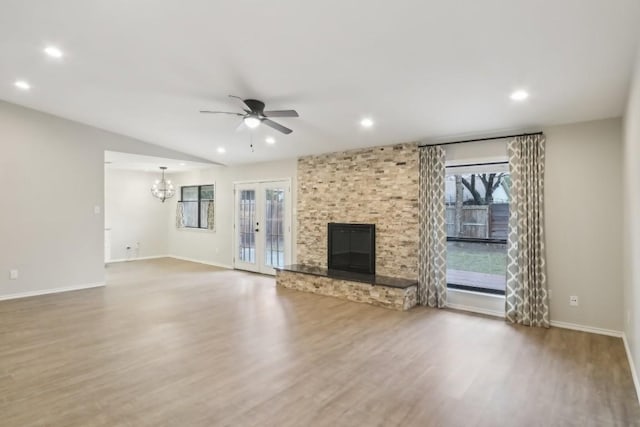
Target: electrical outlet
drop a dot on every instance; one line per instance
(13, 274)
(573, 300)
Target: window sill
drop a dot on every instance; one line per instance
(195, 230)
(484, 294)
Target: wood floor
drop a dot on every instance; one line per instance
(170, 343)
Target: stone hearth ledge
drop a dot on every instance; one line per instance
(397, 298)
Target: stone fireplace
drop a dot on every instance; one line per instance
(368, 186)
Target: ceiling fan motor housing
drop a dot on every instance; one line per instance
(255, 105)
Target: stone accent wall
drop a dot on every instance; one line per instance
(381, 296)
(373, 186)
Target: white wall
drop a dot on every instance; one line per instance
(583, 218)
(632, 221)
(217, 247)
(52, 171)
(134, 218)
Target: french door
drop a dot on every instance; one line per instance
(262, 225)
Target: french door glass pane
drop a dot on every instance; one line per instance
(247, 221)
(274, 235)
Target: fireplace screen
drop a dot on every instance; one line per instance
(352, 247)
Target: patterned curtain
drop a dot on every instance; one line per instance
(180, 215)
(527, 300)
(211, 217)
(432, 264)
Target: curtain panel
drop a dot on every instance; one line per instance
(211, 217)
(432, 264)
(526, 298)
(179, 215)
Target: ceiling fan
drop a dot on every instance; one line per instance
(254, 114)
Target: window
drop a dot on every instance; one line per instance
(195, 201)
(477, 218)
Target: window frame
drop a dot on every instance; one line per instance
(465, 169)
(199, 202)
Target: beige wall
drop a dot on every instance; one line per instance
(583, 199)
(216, 247)
(632, 222)
(583, 217)
(373, 186)
(52, 171)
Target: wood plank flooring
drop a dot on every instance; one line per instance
(171, 343)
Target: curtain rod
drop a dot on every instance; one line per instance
(481, 139)
(478, 164)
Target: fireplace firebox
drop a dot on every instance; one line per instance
(352, 247)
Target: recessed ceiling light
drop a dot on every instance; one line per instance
(21, 84)
(182, 164)
(366, 122)
(221, 150)
(53, 52)
(270, 140)
(519, 95)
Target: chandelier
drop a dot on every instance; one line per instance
(162, 189)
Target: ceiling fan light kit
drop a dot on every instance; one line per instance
(252, 122)
(255, 115)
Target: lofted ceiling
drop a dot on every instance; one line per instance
(420, 69)
(140, 163)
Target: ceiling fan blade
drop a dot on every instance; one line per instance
(281, 113)
(241, 126)
(220, 112)
(277, 126)
(243, 103)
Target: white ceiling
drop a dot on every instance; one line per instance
(421, 69)
(136, 162)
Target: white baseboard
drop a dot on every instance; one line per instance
(50, 291)
(213, 264)
(634, 373)
(554, 323)
(476, 310)
(583, 328)
(111, 261)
